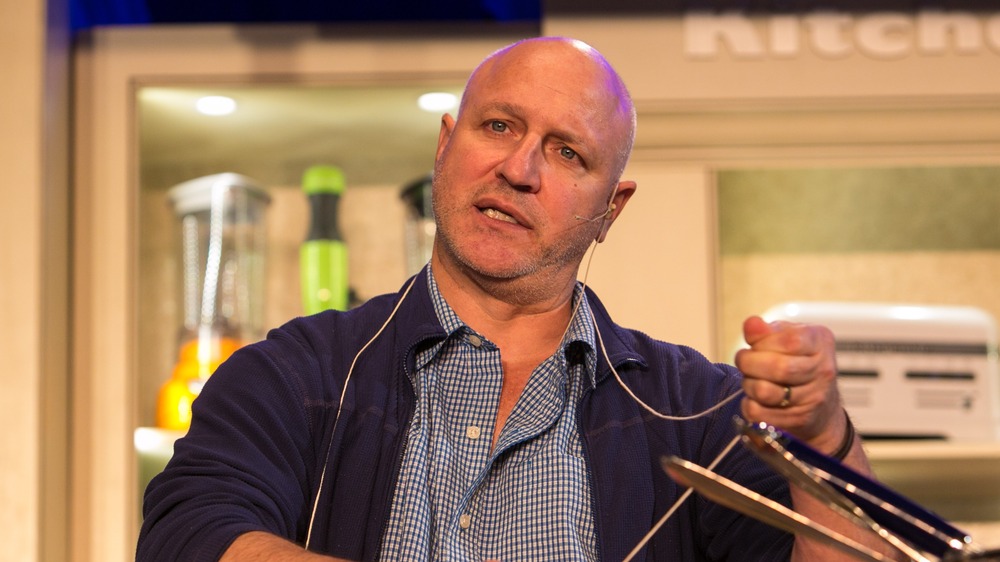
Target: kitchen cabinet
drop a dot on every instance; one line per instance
(658, 271)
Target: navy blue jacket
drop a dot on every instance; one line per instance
(264, 424)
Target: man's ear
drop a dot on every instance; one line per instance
(444, 135)
(622, 194)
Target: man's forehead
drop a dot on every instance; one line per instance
(579, 84)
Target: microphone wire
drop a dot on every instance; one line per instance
(607, 359)
(604, 351)
(340, 406)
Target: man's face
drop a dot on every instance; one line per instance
(533, 149)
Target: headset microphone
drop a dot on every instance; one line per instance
(601, 216)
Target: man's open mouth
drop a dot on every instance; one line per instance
(498, 215)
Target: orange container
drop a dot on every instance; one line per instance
(173, 405)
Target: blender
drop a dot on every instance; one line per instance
(419, 228)
(222, 240)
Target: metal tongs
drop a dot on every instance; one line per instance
(914, 531)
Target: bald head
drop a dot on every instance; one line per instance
(561, 63)
(538, 147)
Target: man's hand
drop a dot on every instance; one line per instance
(790, 381)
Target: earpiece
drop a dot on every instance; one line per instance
(602, 216)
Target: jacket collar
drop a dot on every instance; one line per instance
(420, 326)
(617, 341)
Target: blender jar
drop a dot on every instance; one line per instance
(420, 227)
(222, 240)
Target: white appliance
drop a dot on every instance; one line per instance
(912, 371)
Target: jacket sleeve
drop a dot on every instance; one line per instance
(729, 535)
(626, 443)
(245, 464)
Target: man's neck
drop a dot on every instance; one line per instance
(515, 314)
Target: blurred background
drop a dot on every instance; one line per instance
(787, 152)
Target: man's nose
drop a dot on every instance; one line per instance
(520, 167)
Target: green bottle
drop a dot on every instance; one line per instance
(323, 256)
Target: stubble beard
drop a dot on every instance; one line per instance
(531, 279)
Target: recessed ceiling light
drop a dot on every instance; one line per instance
(215, 105)
(437, 101)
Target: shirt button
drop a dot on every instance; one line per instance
(475, 340)
(473, 432)
(465, 521)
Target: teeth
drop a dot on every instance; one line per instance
(495, 214)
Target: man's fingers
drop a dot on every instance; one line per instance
(755, 329)
(776, 367)
(768, 393)
(785, 337)
(778, 395)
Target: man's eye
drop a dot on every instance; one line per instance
(498, 126)
(567, 153)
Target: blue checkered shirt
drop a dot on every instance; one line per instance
(530, 498)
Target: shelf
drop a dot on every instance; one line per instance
(153, 447)
(959, 481)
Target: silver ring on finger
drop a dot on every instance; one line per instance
(786, 399)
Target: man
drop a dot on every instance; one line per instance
(481, 418)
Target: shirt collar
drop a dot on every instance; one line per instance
(578, 343)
